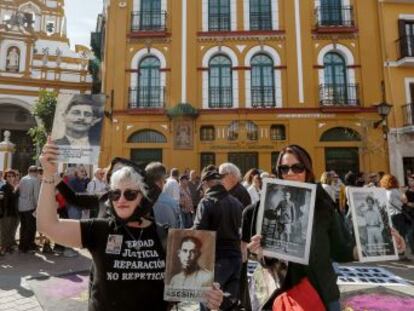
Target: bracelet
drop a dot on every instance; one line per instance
(50, 180)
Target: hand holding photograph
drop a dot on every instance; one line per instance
(372, 224)
(285, 219)
(190, 264)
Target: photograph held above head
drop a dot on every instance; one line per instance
(79, 117)
(330, 241)
(120, 280)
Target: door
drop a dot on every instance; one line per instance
(150, 15)
(408, 167)
(336, 89)
(331, 12)
(244, 160)
(342, 160)
(149, 92)
(144, 156)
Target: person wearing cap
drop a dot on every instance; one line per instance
(28, 187)
(221, 212)
(186, 202)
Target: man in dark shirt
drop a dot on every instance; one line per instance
(221, 212)
(231, 178)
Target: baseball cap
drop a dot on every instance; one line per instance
(210, 175)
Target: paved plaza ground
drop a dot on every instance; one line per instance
(19, 273)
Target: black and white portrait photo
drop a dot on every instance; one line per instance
(285, 219)
(372, 222)
(77, 127)
(190, 264)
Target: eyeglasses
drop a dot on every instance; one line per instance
(129, 194)
(296, 168)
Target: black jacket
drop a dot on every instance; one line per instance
(219, 211)
(330, 242)
(8, 205)
(241, 194)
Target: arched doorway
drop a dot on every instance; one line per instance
(143, 156)
(17, 119)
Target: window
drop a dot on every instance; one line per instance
(207, 158)
(219, 15)
(277, 132)
(207, 133)
(331, 12)
(150, 16)
(406, 29)
(148, 93)
(252, 131)
(147, 137)
(50, 28)
(260, 15)
(335, 89)
(29, 19)
(262, 82)
(220, 82)
(340, 134)
(233, 131)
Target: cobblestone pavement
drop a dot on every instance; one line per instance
(18, 270)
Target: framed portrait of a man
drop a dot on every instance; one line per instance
(372, 222)
(190, 264)
(285, 219)
(77, 127)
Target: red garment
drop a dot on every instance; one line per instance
(61, 200)
(302, 297)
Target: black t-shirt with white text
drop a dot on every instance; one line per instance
(129, 266)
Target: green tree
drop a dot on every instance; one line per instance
(44, 111)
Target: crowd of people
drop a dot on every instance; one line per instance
(126, 203)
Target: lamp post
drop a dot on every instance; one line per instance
(383, 109)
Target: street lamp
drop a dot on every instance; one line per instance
(383, 109)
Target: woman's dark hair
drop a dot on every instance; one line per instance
(302, 156)
(350, 179)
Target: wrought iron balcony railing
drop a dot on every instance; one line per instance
(220, 97)
(408, 114)
(405, 46)
(260, 20)
(147, 97)
(339, 94)
(148, 21)
(263, 97)
(219, 22)
(334, 16)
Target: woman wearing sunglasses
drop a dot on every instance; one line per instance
(128, 257)
(330, 241)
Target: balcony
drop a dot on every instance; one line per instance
(408, 114)
(220, 97)
(219, 22)
(405, 51)
(332, 18)
(149, 21)
(339, 95)
(263, 97)
(260, 21)
(147, 98)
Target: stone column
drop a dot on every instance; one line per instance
(7, 149)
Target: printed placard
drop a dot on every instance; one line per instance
(77, 127)
(372, 223)
(285, 219)
(190, 264)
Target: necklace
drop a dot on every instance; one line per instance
(137, 246)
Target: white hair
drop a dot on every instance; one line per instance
(128, 174)
(231, 169)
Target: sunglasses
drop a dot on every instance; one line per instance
(129, 194)
(296, 168)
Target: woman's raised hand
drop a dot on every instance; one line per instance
(255, 246)
(48, 158)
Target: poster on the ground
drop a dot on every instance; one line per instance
(372, 224)
(285, 219)
(190, 264)
(77, 127)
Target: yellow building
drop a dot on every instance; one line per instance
(397, 29)
(34, 55)
(193, 82)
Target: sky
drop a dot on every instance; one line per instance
(81, 19)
